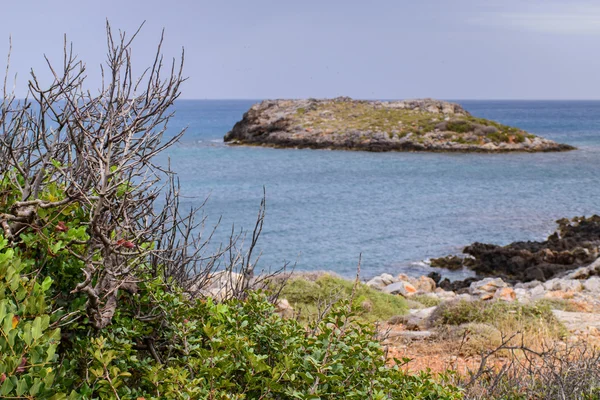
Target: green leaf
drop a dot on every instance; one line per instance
(46, 284)
(36, 328)
(22, 387)
(35, 388)
(57, 246)
(2, 310)
(7, 324)
(6, 387)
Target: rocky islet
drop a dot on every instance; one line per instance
(407, 125)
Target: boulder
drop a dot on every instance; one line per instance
(527, 285)
(284, 308)
(505, 294)
(534, 274)
(406, 278)
(402, 288)
(522, 295)
(537, 292)
(425, 284)
(415, 320)
(388, 278)
(571, 252)
(559, 294)
(436, 276)
(224, 279)
(444, 294)
(381, 281)
(452, 263)
(412, 335)
(592, 284)
(563, 285)
(486, 288)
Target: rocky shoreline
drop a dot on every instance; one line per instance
(567, 278)
(574, 244)
(581, 283)
(409, 125)
(564, 269)
(580, 288)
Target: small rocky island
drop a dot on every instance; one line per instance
(408, 125)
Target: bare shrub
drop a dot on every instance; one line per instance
(557, 370)
(98, 148)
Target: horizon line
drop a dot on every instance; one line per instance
(380, 99)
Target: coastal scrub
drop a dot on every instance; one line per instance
(309, 297)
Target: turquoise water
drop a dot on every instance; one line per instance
(324, 208)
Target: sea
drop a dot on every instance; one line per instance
(326, 210)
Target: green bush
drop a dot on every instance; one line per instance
(308, 296)
(27, 342)
(237, 350)
(459, 126)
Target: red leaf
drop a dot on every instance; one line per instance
(125, 243)
(21, 368)
(61, 227)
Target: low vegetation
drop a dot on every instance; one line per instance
(340, 116)
(426, 300)
(311, 297)
(535, 321)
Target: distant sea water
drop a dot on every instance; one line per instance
(325, 208)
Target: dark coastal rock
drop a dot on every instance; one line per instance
(409, 125)
(457, 286)
(576, 243)
(451, 263)
(436, 276)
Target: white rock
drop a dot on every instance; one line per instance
(444, 295)
(523, 295)
(377, 283)
(486, 287)
(537, 292)
(577, 321)
(592, 284)
(284, 308)
(563, 284)
(423, 313)
(527, 285)
(402, 288)
(388, 278)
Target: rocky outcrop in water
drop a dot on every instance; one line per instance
(409, 125)
(576, 243)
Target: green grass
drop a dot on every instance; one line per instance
(535, 319)
(340, 116)
(426, 300)
(307, 296)
(559, 304)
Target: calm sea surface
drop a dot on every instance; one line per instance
(324, 208)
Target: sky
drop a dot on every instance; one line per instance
(376, 49)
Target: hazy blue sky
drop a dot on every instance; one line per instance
(460, 49)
